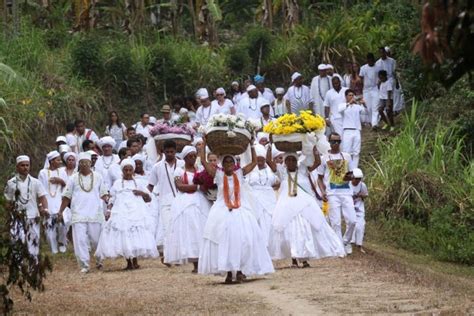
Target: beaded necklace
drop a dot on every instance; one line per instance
(18, 192)
(134, 182)
(250, 104)
(319, 86)
(49, 184)
(292, 191)
(81, 183)
(107, 165)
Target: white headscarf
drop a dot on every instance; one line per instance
(280, 90)
(64, 148)
(139, 157)
(52, 155)
(127, 162)
(22, 158)
(260, 151)
(220, 91)
(251, 87)
(107, 140)
(69, 154)
(290, 154)
(187, 150)
(295, 76)
(322, 67)
(84, 156)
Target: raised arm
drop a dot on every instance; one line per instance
(269, 158)
(248, 168)
(210, 168)
(317, 160)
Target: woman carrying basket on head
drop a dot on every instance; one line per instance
(233, 241)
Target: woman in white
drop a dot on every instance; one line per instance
(116, 129)
(280, 105)
(54, 180)
(299, 229)
(262, 180)
(189, 214)
(127, 231)
(233, 241)
(225, 106)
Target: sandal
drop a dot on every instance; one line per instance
(228, 279)
(306, 264)
(239, 277)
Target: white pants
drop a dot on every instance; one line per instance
(336, 125)
(32, 237)
(351, 142)
(163, 224)
(359, 231)
(342, 204)
(371, 98)
(85, 235)
(55, 232)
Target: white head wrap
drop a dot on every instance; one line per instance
(84, 156)
(139, 157)
(295, 76)
(261, 135)
(197, 140)
(260, 151)
(61, 139)
(251, 87)
(234, 83)
(52, 155)
(279, 90)
(22, 158)
(187, 150)
(387, 49)
(220, 91)
(264, 103)
(357, 173)
(92, 153)
(183, 111)
(152, 121)
(329, 66)
(69, 154)
(221, 159)
(322, 67)
(202, 93)
(127, 162)
(64, 148)
(107, 140)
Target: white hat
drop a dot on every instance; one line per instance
(234, 83)
(279, 90)
(183, 111)
(220, 91)
(295, 76)
(357, 173)
(202, 94)
(260, 151)
(139, 157)
(329, 66)
(69, 154)
(264, 103)
(52, 155)
(64, 148)
(127, 162)
(152, 121)
(187, 150)
(92, 153)
(61, 139)
(251, 87)
(322, 67)
(387, 49)
(22, 158)
(107, 140)
(84, 156)
(261, 135)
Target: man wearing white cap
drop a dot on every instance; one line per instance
(330, 72)
(334, 97)
(320, 85)
(54, 180)
(224, 105)
(280, 105)
(249, 105)
(207, 109)
(299, 95)
(359, 193)
(107, 159)
(23, 193)
(85, 192)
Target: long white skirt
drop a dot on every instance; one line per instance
(240, 246)
(265, 200)
(302, 241)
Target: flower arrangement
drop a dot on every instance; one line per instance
(164, 128)
(286, 124)
(232, 121)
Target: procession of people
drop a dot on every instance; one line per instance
(122, 196)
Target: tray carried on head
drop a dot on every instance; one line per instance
(222, 141)
(181, 140)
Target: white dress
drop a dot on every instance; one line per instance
(263, 197)
(189, 215)
(233, 241)
(299, 229)
(128, 232)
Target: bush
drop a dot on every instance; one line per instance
(87, 60)
(259, 43)
(238, 59)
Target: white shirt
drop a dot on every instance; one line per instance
(299, 98)
(225, 108)
(346, 81)
(88, 134)
(319, 88)
(351, 115)
(250, 108)
(30, 189)
(334, 167)
(361, 188)
(113, 173)
(162, 178)
(332, 101)
(203, 114)
(370, 75)
(389, 65)
(140, 129)
(103, 164)
(71, 141)
(268, 94)
(86, 206)
(53, 191)
(279, 107)
(384, 88)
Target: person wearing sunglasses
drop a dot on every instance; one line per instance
(225, 105)
(334, 176)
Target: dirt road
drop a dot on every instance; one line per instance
(359, 284)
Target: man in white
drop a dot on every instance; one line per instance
(162, 178)
(333, 98)
(359, 193)
(386, 63)
(143, 126)
(351, 117)
(83, 134)
(334, 175)
(54, 180)
(369, 75)
(265, 92)
(320, 85)
(207, 109)
(85, 191)
(249, 105)
(299, 95)
(23, 193)
(330, 72)
(107, 159)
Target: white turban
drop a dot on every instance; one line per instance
(329, 66)
(264, 103)
(197, 140)
(22, 158)
(52, 155)
(127, 162)
(64, 148)
(260, 151)
(234, 83)
(139, 157)
(251, 87)
(261, 135)
(61, 139)
(107, 140)
(202, 93)
(279, 90)
(295, 76)
(322, 67)
(387, 49)
(85, 156)
(220, 91)
(92, 153)
(187, 150)
(69, 154)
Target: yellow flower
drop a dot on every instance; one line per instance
(26, 101)
(51, 92)
(41, 115)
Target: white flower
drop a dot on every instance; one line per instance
(231, 134)
(240, 124)
(202, 129)
(233, 119)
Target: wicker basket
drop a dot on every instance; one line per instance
(288, 143)
(223, 142)
(181, 140)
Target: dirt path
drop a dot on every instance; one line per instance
(360, 284)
